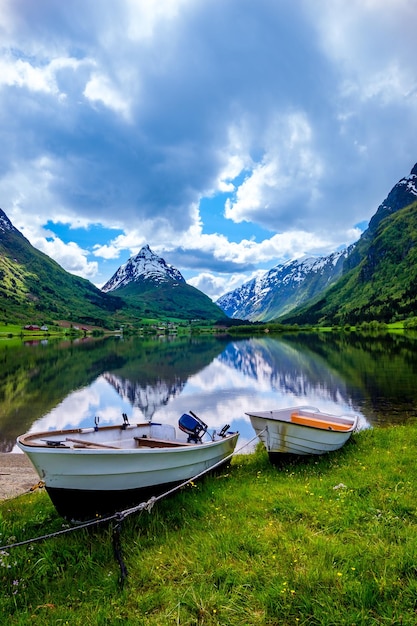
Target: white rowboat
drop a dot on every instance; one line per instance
(98, 471)
(301, 430)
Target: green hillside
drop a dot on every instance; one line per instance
(36, 289)
(382, 286)
(170, 299)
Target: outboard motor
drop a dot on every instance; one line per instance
(193, 426)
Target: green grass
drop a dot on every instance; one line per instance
(329, 541)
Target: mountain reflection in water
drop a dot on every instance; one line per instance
(60, 385)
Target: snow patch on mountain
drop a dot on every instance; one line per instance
(410, 184)
(278, 290)
(5, 223)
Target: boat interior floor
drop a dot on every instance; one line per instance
(151, 442)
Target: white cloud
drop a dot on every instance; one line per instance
(144, 16)
(217, 285)
(24, 202)
(213, 286)
(302, 113)
(390, 84)
(68, 255)
(373, 43)
(100, 89)
(19, 193)
(289, 171)
(236, 155)
(37, 76)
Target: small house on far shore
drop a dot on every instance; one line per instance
(35, 327)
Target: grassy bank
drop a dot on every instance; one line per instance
(329, 541)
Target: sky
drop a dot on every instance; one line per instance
(228, 135)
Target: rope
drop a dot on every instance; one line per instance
(121, 515)
(150, 503)
(64, 531)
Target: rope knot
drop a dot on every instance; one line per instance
(149, 504)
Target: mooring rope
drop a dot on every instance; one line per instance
(120, 515)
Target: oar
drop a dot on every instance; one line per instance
(82, 442)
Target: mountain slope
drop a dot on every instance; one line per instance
(147, 282)
(380, 276)
(304, 291)
(401, 195)
(35, 288)
(283, 288)
(383, 286)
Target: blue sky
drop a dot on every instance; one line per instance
(229, 135)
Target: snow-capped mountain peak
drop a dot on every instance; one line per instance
(283, 287)
(5, 223)
(145, 266)
(401, 195)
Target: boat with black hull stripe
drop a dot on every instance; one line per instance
(97, 471)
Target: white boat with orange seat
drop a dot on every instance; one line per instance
(301, 430)
(101, 470)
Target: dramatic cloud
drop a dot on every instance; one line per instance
(229, 135)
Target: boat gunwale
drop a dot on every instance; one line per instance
(42, 446)
(284, 416)
(24, 439)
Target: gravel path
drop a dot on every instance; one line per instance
(17, 475)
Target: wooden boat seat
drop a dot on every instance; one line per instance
(316, 422)
(151, 442)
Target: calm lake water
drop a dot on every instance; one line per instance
(50, 385)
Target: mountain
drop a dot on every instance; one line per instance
(145, 267)
(324, 290)
(376, 279)
(283, 288)
(35, 288)
(401, 195)
(379, 281)
(147, 282)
